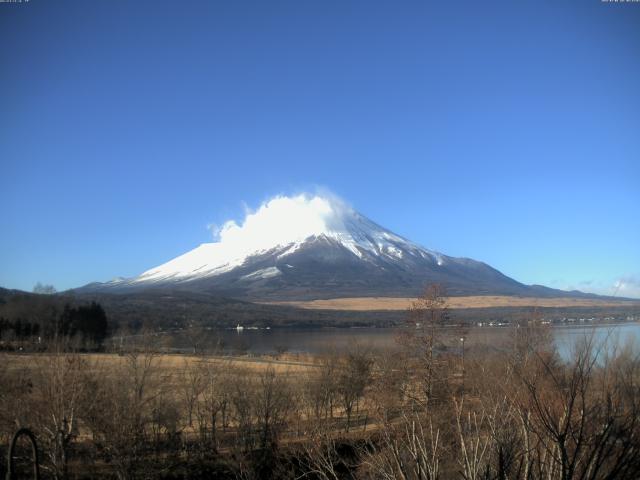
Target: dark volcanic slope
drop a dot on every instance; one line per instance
(324, 268)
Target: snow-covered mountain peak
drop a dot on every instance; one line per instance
(282, 225)
(310, 247)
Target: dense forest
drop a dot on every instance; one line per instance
(41, 318)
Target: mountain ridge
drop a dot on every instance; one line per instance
(312, 247)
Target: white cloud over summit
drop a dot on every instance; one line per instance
(283, 219)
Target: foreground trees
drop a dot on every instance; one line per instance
(581, 420)
(524, 413)
(125, 412)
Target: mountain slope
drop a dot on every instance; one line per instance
(312, 247)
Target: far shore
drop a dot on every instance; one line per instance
(403, 303)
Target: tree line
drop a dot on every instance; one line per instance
(39, 319)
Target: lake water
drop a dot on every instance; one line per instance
(316, 341)
(620, 335)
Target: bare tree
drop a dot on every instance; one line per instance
(320, 456)
(191, 386)
(408, 449)
(474, 441)
(390, 381)
(58, 399)
(123, 411)
(426, 315)
(273, 402)
(320, 388)
(241, 392)
(44, 289)
(213, 400)
(530, 339)
(261, 406)
(582, 419)
(198, 338)
(354, 375)
(15, 406)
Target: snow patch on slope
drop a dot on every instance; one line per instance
(269, 272)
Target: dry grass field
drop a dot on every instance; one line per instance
(172, 363)
(396, 303)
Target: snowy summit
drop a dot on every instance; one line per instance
(317, 246)
(284, 224)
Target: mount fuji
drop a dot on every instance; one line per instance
(317, 247)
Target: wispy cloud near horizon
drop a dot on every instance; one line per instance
(627, 286)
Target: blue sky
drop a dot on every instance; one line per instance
(508, 132)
